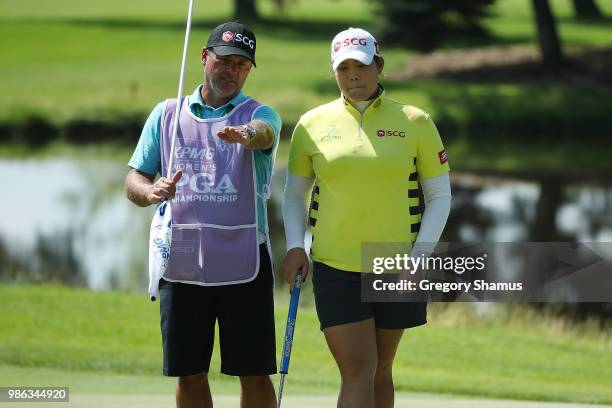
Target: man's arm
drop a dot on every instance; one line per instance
(142, 191)
(264, 136)
(262, 139)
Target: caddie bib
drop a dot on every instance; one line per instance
(214, 211)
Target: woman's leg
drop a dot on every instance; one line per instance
(387, 341)
(353, 346)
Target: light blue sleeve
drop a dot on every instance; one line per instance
(263, 163)
(147, 156)
(272, 118)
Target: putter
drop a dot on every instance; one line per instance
(289, 330)
(160, 239)
(180, 88)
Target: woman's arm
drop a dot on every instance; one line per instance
(437, 193)
(297, 190)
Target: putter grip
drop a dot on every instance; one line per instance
(291, 318)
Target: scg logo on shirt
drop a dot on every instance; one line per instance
(383, 133)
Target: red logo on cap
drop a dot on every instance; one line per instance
(443, 156)
(228, 36)
(337, 46)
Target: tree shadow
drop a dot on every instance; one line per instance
(602, 22)
(515, 65)
(132, 23)
(291, 29)
(536, 111)
(456, 42)
(304, 29)
(529, 114)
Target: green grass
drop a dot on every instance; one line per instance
(516, 354)
(69, 58)
(128, 57)
(531, 161)
(513, 20)
(112, 60)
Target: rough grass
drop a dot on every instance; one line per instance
(111, 61)
(113, 55)
(512, 353)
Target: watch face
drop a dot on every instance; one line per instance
(251, 131)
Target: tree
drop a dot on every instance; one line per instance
(245, 10)
(424, 24)
(586, 9)
(550, 46)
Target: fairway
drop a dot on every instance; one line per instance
(301, 401)
(101, 390)
(524, 139)
(114, 349)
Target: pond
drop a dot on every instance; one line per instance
(68, 220)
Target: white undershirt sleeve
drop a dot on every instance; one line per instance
(437, 193)
(297, 192)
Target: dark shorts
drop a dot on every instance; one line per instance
(245, 313)
(338, 301)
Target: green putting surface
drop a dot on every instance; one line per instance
(289, 401)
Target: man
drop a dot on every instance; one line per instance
(220, 265)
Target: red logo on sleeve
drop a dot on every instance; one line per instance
(443, 157)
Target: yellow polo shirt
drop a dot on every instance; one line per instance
(366, 169)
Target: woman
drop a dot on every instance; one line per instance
(366, 154)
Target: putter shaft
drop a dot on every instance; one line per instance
(280, 390)
(289, 331)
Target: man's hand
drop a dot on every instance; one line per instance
(295, 260)
(234, 134)
(262, 139)
(163, 188)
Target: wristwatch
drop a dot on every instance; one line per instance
(250, 131)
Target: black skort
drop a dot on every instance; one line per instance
(338, 301)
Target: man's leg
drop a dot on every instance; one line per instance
(246, 335)
(193, 392)
(257, 391)
(353, 346)
(188, 333)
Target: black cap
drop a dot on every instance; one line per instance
(233, 38)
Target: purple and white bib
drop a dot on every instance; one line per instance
(214, 211)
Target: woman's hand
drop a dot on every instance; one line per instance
(295, 260)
